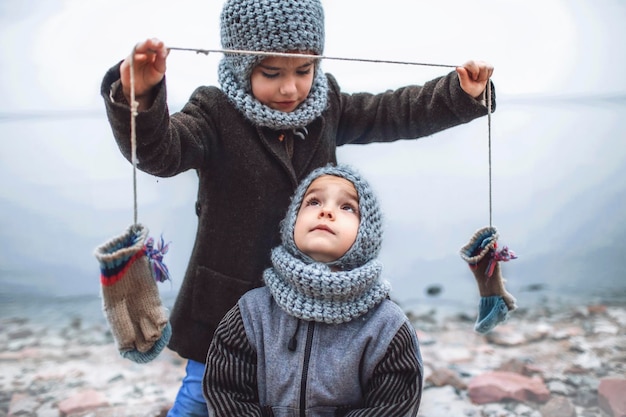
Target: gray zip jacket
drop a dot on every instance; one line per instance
(264, 362)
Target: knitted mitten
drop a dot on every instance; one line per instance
(131, 301)
(483, 258)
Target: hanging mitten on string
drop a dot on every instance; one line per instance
(130, 265)
(483, 257)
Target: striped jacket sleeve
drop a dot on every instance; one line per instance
(396, 386)
(229, 384)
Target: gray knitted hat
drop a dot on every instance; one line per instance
(369, 237)
(311, 290)
(271, 26)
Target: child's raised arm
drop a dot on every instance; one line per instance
(473, 76)
(149, 64)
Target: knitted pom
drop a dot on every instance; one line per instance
(155, 257)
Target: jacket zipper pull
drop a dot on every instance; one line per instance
(293, 342)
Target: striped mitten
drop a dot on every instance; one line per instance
(131, 300)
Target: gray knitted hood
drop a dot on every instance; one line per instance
(311, 290)
(271, 26)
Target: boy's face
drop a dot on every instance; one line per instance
(328, 219)
(282, 83)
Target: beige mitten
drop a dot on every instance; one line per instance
(131, 300)
(483, 258)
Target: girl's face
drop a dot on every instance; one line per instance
(282, 83)
(328, 219)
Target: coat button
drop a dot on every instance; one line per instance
(198, 208)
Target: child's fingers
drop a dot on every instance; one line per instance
(472, 70)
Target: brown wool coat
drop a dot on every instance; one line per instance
(246, 176)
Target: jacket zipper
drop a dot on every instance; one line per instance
(305, 367)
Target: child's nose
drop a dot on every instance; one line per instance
(326, 212)
(288, 86)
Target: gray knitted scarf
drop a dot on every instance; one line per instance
(262, 115)
(315, 293)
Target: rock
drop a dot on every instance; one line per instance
(567, 333)
(519, 367)
(618, 316)
(445, 401)
(444, 376)
(434, 290)
(424, 338)
(596, 309)
(506, 335)
(612, 396)
(560, 388)
(22, 405)
(498, 386)
(558, 407)
(605, 326)
(83, 401)
(455, 354)
(48, 409)
(587, 361)
(21, 333)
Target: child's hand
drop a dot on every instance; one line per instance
(149, 64)
(473, 76)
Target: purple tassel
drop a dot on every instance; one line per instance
(155, 257)
(504, 255)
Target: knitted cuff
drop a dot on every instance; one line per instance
(491, 312)
(117, 255)
(145, 357)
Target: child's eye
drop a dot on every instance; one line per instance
(349, 207)
(270, 75)
(304, 71)
(312, 202)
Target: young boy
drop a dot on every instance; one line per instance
(322, 337)
(251, 142)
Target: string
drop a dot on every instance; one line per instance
(294, 55)
(134, 105)
(489, 140)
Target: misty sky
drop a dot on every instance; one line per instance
(56, 149)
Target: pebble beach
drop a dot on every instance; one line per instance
(569, 361)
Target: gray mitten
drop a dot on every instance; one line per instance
(131, 300)
(483, 258)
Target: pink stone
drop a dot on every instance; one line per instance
(443, 376)
(558, 407)
(83, 401)
(612, 396)
(498, 386)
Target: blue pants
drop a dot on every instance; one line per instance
(189, 400)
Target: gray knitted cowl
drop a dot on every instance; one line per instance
(310, 290)
(271, 26)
